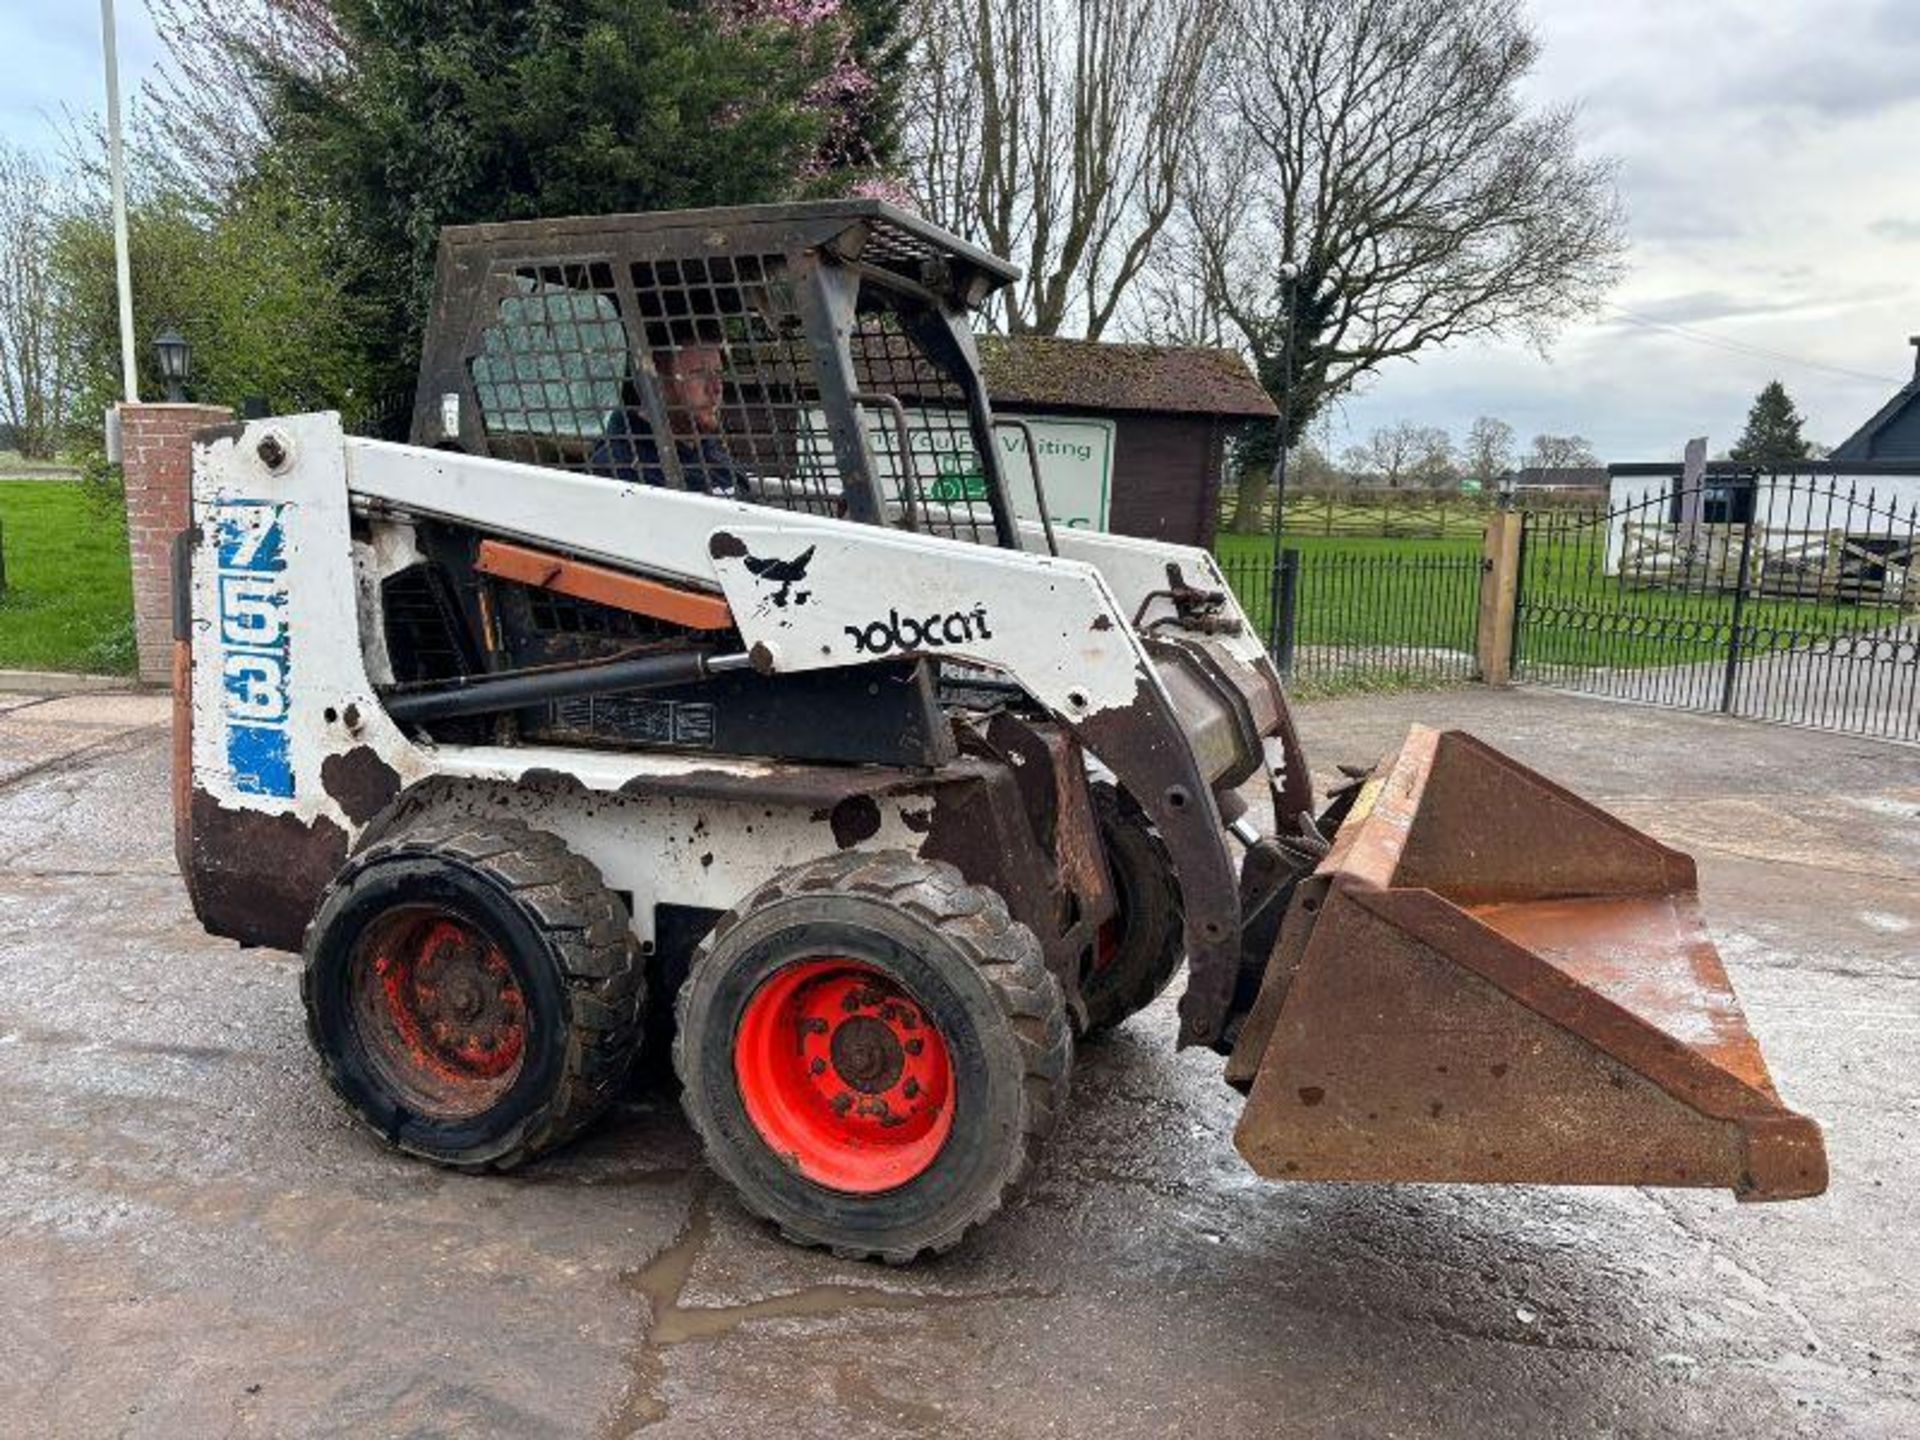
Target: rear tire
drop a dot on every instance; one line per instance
(1138, 951)
(873, 1053)
(473, 990)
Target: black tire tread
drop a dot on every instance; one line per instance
(566, 897)
(1006, 954)
(1145, 982)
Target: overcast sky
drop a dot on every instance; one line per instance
(1768, 166)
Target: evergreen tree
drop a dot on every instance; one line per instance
(1772, 436)
(481, 110)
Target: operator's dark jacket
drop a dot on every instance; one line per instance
(627, 451)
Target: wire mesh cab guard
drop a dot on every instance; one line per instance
(810, 357)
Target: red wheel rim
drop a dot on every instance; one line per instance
(440, 1011)
(844, 1076)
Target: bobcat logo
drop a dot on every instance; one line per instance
(904, 632)
(786, 574)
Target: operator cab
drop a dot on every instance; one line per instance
(812, 357)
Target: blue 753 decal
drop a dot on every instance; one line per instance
(249, 540)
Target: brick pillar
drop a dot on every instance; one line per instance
(156, 447)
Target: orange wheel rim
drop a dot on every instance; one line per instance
(844, 1076)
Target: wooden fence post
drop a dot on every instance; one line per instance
(1499, 587)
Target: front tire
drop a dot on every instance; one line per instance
(873, 1053)
(473, 990)
(1137, 952)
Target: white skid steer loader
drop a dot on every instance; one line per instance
(696, 679)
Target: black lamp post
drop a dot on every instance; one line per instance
(1289, 276)
(176, 362)
(1280, 614)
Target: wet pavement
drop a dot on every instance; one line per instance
(194, 1241)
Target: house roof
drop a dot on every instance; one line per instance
(1894, 431)
(1035, 370)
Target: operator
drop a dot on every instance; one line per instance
(691, 385)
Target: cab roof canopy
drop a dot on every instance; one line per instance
(869, 234)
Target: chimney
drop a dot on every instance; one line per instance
(1914, 340)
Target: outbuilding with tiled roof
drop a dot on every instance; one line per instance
(1137, 434)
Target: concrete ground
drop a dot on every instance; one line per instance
(194, 1241)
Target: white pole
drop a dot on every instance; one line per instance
(117, 164)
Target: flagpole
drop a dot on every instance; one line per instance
(117, 166)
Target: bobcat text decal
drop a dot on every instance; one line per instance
(883, 637)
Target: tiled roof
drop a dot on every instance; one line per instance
(1032, 370)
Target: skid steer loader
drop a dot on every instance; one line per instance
(700, 679)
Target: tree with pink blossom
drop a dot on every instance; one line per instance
(394, 118)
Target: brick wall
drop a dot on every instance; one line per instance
(157, 451)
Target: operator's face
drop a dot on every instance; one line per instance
(690, 382)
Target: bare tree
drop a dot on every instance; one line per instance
(1561, 452)
(35, 373)
(1310, 468)
(1383, 148)
(1434, 465)
(1057, 132)
(208, 102)
(1404, 452)
(1488, 453)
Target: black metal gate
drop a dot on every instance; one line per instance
(1349, 614)
(1778, 596)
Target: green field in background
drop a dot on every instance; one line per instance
(1386, 594)
(68, 603)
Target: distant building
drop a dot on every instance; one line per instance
(1132, 438)
(1591, 478)
(1894, 432)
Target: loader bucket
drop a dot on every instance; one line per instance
(1490, 980)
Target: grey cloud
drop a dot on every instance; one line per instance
(1851, 64)
(1896, 227)
(1700, 305)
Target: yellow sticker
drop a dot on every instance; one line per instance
(1363, 802)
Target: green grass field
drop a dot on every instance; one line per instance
(68, 603)
(1420, 595)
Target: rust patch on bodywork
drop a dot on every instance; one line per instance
(360, 782)
(257, 878)
(1146, 747)
(854, 819)
(980, 826)
(233, 430)
(182, 759)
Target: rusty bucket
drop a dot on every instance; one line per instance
(1491, 980)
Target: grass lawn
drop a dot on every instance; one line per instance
(1369, 595)
(68, 604)
(1386, 595)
